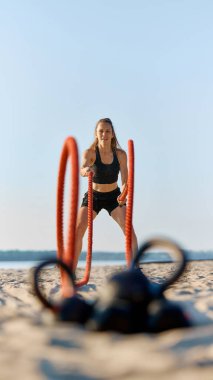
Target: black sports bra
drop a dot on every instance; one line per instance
(105, 173)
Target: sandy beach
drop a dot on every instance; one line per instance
(34, 346)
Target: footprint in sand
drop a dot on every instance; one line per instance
(205, 305)
(2, 302)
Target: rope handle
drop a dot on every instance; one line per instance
(37, 290)
(175, 250)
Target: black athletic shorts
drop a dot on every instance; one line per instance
(107, 200)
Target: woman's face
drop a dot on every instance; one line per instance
(104, 132)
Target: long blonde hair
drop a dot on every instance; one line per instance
(114, 142)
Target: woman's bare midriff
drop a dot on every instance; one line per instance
(104, 187)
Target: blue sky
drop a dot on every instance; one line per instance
(145, 64)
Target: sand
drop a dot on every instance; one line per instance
(34, 346)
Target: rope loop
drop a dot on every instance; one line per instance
(37, 289)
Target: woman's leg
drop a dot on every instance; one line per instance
(119, 215)
(81, 227)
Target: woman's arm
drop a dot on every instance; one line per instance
(88, 160)
(122, 158)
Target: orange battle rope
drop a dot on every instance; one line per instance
(129, 189)
(70, 150)
(129, 209)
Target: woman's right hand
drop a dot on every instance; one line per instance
(87, 170)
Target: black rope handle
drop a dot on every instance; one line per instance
(176, 251)
(47, 303)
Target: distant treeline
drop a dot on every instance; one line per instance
(16, 255)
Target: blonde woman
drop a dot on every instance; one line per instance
(105, 159)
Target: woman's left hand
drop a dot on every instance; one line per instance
(121, 202)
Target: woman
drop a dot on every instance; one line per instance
(104, 159)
